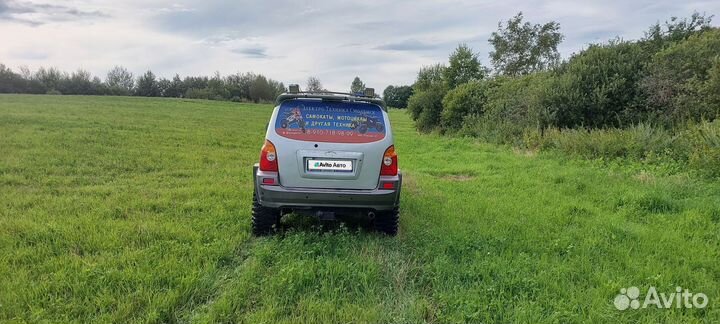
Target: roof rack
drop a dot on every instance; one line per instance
(368, 96)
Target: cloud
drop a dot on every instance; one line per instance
(381, 41)
(250, 47)
(175, 7)
(30, 54)
(257, 52)
(35, 14)
(407, 45)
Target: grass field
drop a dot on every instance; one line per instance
(138, 210)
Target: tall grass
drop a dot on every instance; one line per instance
(693, 146)
(702, 144)
(137, 210)
(637, 142)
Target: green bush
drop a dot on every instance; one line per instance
(681, 82)
(425, 107)
(599, 87)
(512, 107)
(521, 101)
(467, 99)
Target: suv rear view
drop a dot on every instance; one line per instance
(327, 153)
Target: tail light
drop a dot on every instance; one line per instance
(389, 166)
(268, 157)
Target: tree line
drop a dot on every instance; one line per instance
(120, 82)
(655, 100)
(669, 77)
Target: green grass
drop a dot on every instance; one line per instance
(137, 210)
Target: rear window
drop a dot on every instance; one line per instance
(330, 121)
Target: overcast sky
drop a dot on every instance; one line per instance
(381, 41)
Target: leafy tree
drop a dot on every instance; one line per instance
(357, 86)
(261, 90)
(428, 76)
(522, 48)
(11, 82)
(176, 88)
(217, 88)
(51, 79)
(32, 84)
(79, 83)
(246, 82)
(397, 96)
(25, 72)
(314, 85)
(35, 87)
(163, 85)
(99, 87)
(277, 87)
(676, 30)
(120, 81)
(147, 85)
(195, 82)
(233, 82)
(464, 67)
(388, 94)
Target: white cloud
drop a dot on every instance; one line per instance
(383, 42)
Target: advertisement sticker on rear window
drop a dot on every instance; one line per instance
(323, 121)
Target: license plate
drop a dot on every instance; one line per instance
(329, 165)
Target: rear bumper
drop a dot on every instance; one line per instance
(282, 197)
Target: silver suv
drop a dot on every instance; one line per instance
(325, 154)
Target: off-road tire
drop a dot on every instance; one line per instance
(379, 127)
(362, 128)
(284, 124)
(387, 221)
(264, 220)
